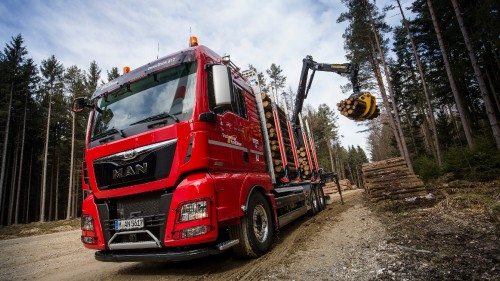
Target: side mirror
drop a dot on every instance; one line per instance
(223, 85)
(78, 104)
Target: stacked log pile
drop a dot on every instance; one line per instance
(331, 187)
(345, 184)
(391, 179)
(305, 169)
(279, 168)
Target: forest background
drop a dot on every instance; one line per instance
(437, 74)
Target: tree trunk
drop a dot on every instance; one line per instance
(10, 217)
(412, 135)
(490, 110)
(426, 133)
(383, 93)
(51, 188)
(392, 123)
(57, 190)
(458, 99)
(462, 111)
(29, 187)
(492, 88)
(44, 173)
(77, 192)
(19, 180)
(391, 92)
(331, 156)
(71, 168)
(426, 91)
(4, 148)
(454, 121)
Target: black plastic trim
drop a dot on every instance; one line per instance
(165, 201)
(134, 256)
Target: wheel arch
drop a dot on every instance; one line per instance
(245, 197)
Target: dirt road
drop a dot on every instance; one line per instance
(341, 243)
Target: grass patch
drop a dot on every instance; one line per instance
(400, 206)
(38, 228)
(482, 199)
(475, 198)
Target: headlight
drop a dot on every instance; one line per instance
(87, 223)
(194, 211)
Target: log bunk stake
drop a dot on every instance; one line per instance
(279, 169)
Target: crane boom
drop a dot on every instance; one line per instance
(367, 108)
(309, 64)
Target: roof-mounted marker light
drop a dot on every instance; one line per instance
(126, 69)
(193, 41)
(226, 59)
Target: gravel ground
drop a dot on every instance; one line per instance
(354, 241)
(345, 246)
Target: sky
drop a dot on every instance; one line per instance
(133, 33)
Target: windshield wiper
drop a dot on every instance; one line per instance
(106, 133)
(156, 117)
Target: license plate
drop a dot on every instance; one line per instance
(129, 224)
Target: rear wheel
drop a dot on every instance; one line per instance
(321, 198)
(255, 231)
(314, 202)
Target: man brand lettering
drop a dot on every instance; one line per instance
(130, 170)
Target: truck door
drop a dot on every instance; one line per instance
(227, 146)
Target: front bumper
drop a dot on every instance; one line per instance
(163, 256)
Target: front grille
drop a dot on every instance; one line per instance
(152, 206)
(136, 166)
(140, 205)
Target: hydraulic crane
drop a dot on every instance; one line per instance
(363, 104)
(358, 107)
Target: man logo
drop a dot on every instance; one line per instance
(129, 171)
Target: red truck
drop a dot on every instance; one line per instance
(178, 163)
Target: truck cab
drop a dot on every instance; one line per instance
(174, 163)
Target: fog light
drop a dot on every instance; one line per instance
(194, 211)
(194, 231)
(89, 240)
(87, 223)
(191, 232)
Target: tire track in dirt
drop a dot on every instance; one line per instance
(61, 256)
(291, 238)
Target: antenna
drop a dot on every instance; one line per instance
(189, 37)
(158, 50)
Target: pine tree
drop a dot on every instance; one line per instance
(490, 110)
(52, 74)
(92, 78)
(74, 80)
(113, 74)
(278, 80)
(14, 80)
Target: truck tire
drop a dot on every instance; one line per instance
(314, 202)
(255, 230)
(321, 198)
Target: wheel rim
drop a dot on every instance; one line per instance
(321, 198)
(260, 223)
(315, 199)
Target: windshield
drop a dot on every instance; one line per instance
(171, 91)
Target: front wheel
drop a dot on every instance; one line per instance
(255, 231)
